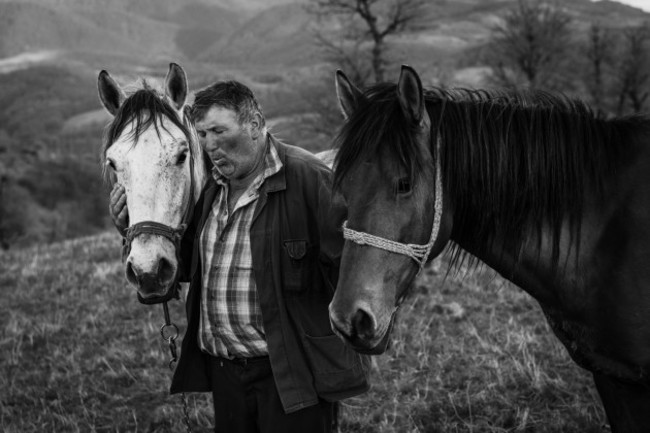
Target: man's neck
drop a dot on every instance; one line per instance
(240, 184)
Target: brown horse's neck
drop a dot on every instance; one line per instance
(532, 267)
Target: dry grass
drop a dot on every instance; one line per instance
(79, 354)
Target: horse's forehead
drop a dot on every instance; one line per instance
(151, 142)
(363, 176)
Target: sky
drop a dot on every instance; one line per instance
(642, 4)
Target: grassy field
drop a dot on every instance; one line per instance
(79, 354)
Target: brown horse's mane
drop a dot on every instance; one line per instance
(510, 160)
(146, 107)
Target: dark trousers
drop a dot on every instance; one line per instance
(246, 400)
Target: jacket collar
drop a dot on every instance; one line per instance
(277, 181)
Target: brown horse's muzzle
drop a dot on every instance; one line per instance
(361, 331)
(362, 343)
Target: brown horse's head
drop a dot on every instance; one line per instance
(386, 171)
(152, 149)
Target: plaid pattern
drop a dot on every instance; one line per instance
(231, 319)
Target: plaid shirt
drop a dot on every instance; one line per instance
(231, 319)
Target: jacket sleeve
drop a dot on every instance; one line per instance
(332, 213)
(187, 244)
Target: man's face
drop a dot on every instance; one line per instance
(231, 146)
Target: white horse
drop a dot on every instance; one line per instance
(152, 149)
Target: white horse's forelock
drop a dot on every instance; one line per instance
(199, 169)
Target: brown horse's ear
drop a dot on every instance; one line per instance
(176, 85)
(110, 92)
(348, 94)
(410, 94)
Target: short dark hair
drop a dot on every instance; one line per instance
(229, 94)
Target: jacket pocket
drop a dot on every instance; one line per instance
(295, 264)
(338, 371)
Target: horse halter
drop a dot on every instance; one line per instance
(419, 253)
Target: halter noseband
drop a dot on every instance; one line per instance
(419, 253)
(153, 228)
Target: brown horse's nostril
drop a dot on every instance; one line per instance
(363, 324)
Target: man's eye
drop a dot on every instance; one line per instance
(201, 134)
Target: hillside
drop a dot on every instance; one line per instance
(277, 36)
(32, 27)
(250, 33)
(52, 50)
(469, 353)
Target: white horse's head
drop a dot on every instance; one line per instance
(151, 148)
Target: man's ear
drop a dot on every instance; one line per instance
(257, 125)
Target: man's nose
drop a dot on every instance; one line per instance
(208, 142)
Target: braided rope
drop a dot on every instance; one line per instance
(419, 253)
(416, 252)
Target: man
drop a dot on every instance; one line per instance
(264, 248)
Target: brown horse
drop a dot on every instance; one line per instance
(554, 198)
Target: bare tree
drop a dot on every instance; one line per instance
(365, 23)
(528, 47)
(347, 53)
(633, 77)
(4, 241)
(598, 50)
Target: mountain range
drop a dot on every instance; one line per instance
(236, 32)
(52, 50)
(269, 44)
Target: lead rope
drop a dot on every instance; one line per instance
(169, 325)
(169, 333)
(419, 253)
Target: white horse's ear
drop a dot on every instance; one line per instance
(410, 94)
(110, 93)
(348, 94)
(176, 85)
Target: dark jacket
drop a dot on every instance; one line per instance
(296, 244)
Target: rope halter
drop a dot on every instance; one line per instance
(419, 253)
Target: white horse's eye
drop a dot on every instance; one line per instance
(181, 158)
(111, 164)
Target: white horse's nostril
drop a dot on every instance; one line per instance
(132, 276)
(166, 271)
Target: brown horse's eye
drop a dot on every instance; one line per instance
(404, 185)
